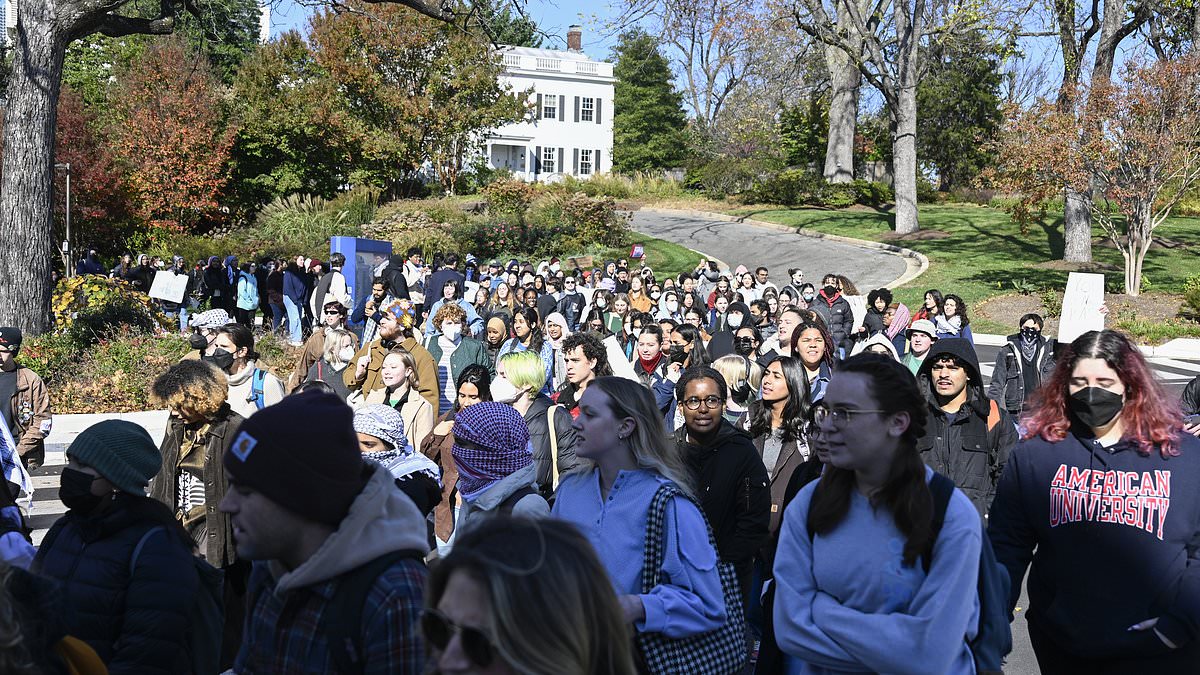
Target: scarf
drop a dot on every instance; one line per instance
(900, 321)
(649, 366)
(498, 447)
(1029, 347)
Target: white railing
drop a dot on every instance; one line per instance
(512, 60)
(549, 64)
(586, 67)
(552, 65)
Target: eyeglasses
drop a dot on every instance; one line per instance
(438, 630)
(709, 402)
(839, 416)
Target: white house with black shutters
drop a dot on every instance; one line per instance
(570, 131)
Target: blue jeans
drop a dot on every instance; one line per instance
(293, 314)
(276, 316)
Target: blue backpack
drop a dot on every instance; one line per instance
(256, 388)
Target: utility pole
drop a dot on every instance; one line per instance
(66, 247)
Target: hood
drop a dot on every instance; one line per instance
(879, 339)
(829, 300)
(961, 349)
(740, 307)
(727, 435)
(381, 520)
(490, 498)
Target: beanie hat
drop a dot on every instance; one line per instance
(120, 451)
(301, 453)
(10, 336)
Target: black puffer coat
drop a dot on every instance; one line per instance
(539, 436)
(138, 622)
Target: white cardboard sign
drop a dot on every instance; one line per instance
(169, 286)
(1081, 306)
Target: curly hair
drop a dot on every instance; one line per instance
(450, 312)
(192, 385)
(593, 350)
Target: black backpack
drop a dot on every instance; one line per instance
(341, 622)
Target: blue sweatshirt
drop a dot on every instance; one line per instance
(293, 287)
(1117, 537)
(845, 603)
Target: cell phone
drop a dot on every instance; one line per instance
(1191, 420)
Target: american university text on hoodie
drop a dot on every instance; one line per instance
(1137, 499)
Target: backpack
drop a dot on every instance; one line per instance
(341, 622)
(206, 618)
(256, 388)
(78, 657)
(510, 502)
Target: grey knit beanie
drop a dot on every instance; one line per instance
(120, 451)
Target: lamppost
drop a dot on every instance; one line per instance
(66, 247)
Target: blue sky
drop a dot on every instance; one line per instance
(552, 17)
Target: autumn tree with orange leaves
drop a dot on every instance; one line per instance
(1136, 141)
(169, 131)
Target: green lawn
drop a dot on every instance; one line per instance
(985, 249)
(664, 257)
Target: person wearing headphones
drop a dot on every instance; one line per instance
(743, 377)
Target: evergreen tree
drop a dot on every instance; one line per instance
(649, 121)
(804, 131)
(960, 108)
(504, 27)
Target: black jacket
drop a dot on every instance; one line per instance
(1191, 397)
(393, 277)
(731, 483)
(137, 623)
(539, 437)
(971, 446)
(838, 317)
(1008, 377)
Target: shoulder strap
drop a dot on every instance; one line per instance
(942, 489)
(993, 417)
(341, 622)
(137, 550)
(256, 387)
(510, 502)
(553, 446)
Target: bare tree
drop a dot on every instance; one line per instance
(44, 30)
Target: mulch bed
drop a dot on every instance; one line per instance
(1008, 309)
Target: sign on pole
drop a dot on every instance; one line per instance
(1081, 306)
(169, 286)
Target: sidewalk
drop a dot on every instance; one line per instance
(67, 427)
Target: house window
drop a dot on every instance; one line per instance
(549, 159)
(585, 160)
(549, 106)
(587, 112)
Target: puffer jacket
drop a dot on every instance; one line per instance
(492, 499)
(138, 622)
(247, 291)
(536, 418)
(838, 317)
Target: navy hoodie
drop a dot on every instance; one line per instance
(1117, 537)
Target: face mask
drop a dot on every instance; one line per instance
(219, 358)
(672, 306)
(555, 268)
(636, 333)
(1030, 334)
(1095, 407)
(198, 341)
(830, 290)
(601, 303)
(75, 491)
(676, 354)
(809, 297)
(346, 354)
(451, 330)
(735, 320)
(504, 391)
(655, 295)
(743, 346)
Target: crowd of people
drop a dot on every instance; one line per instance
(515, 468)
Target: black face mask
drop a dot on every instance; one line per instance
(75, 491)
(744, 346)
(676, 354)
(198, 341)
(1030, 334)
(830, 290)
(1095, 407)
(219, 358)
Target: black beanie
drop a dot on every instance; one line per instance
(301, 453)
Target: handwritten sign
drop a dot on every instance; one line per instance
(169, 286)
(637, 251)
(1081, 306)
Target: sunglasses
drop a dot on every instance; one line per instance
(439, 630)
(331, 312)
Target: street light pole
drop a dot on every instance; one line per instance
(67, 243)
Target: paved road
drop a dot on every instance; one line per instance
(751, 245)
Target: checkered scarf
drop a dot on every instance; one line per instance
(499, 446)
(14, 470)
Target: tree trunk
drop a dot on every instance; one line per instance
(1077, 226)
(904, 160)
(27, 190)
(843, 115)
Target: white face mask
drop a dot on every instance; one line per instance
(451, 330)
(555, 268)
(346, 355)
(672, 305)
(601, 303)
(735, 320)
(504, 391)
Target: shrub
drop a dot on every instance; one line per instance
(594, 221)
(1052, 301)
(926, 192)
(873, 193)
(725, 176)
(1191, 294)
(509, 198)
(115, 374)
(97, 303)
(48, 354)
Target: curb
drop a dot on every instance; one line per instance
(917, 263)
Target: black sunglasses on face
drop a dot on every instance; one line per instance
(439, 630)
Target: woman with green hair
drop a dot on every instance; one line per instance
(520, 378)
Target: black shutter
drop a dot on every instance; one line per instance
(576, 171)
(596, 161)
(537, 161)
(576, 108)
(562, 108)
(561, 156)
(597, 113)
(538, 112)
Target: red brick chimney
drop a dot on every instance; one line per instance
(575, 38)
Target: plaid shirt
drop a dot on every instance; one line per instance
(281, 633)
